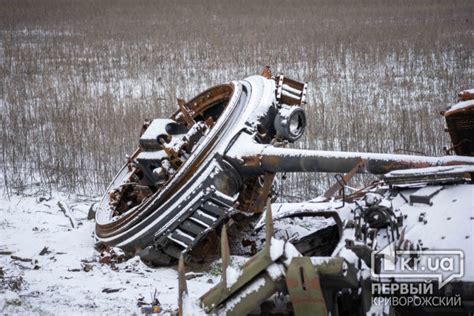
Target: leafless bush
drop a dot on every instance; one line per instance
(78, 77)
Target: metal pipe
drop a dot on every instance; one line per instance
(266, 158)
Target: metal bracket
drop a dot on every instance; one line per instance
(304, 288)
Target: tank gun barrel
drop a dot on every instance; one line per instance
(259, 158)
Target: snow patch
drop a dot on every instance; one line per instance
(460, 106)
(58, 280)
(191, 308)
(290, 253)
(260, 282)
(275, 271)
(232, 275)
(277, 247)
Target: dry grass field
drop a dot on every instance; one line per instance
(79, 77)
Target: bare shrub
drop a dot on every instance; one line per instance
(78, 77)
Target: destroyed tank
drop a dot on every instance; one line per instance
(216, 158)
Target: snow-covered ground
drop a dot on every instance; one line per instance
(49, 263)
(67, 276)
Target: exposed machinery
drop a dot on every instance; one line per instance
(216, 158)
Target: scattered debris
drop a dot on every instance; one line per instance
(13, 283)
(43, 199)
(87, 267)
(58, 289)
(111, 255)
(153, 308)
(44, 251)
(21, 259)
(109, 290)
(193, 275)
(91, 213)
(67, 212)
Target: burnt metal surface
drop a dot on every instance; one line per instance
(217, 155)
(213, 163)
